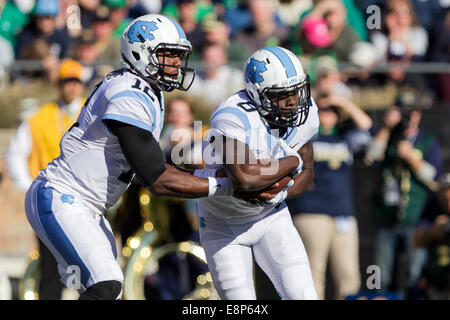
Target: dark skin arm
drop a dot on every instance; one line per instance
(306, 177)
(248, 174)
(145, 158)
(180, 184)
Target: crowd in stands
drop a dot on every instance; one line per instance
(352, 33)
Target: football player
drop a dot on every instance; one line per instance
(271, 121)
(115, 137)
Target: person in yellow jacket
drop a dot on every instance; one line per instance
(36, 143)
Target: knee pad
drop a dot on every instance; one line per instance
(104, 290)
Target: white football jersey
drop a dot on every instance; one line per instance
(238, 118)
(91, 163)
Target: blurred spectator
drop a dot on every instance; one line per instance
(217, 80)
(381, 89)
(329, 79)
(264, 32)
(429, 12)
(12, 20)
(217, 32)
(39, 50)
(440, 52)
(118, 16)
(329, 228)
(35, 144)
(290, 11)
(107, 47)
(363, 57)
(180, 118)
(435, 236)
(142, 7)
(201, 9)
(411, 160)
(402, 36)
(313, 42)
(86, 53)
(342, 35)
(236, 15)
(6, 58)
(87, 12)
(43, 28)
(189, 14)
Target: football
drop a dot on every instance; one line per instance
(277, 187)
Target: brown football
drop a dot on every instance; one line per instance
(275, 189)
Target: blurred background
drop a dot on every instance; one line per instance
(375, 222)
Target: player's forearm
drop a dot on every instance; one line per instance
(301, 183)
(306, 177)
(176, 183)
(253, 177)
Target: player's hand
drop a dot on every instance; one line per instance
(255, 197)
(280, 196)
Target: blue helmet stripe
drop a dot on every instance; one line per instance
(180, 30)
(284, 59)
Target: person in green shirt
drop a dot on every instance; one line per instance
(118, 16)
(411, 160)
(12, 20)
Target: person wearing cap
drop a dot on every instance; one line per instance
(310, 43)
(43, 26)
(329, 228)
(107, 47)
(410, 162)
(342, 34)
(85, 51)
(36, 143)
(433, 234)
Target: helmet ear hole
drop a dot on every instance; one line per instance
(136, 55)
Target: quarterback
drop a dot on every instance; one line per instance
(273, 118)
(115, 138)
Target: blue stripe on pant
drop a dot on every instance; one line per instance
(56, 234)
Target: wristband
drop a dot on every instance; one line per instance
(220, 187)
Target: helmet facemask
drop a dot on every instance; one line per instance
(279, 117)
(165, 81)
(155, 71)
